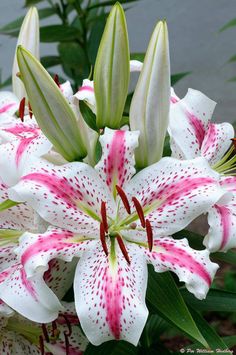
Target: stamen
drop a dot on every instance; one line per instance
(124, 198)
(139, 210)
(133, 225)
(22, 109)
(234, 142)
(103, 239)
(149, 234)
(67, 344)
(123, 248)
(56, 79)
(104, 216)
(68, 325)
(30, 110)
(45, 333)
(54, 328)
(41, 345)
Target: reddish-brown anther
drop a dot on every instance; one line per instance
(123, 248)
(54, 328)
(45, 333)
(41, 345)
(30, 110)
(67, 344)
(22, 109)
(149, 234)
(103, 239)
(139, 210)
(56, 79)
(234, 142)
(104, 216)
(68, 325)
(124, 198)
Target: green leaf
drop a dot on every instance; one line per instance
(32, 2)
(177, 77)
(229, 24)
(7, 204)
(230, 341)
(50, 61)
(213, 339)
(166, 300)
(216, 300)
(112, 70)
(232, 59)
(58, 33)
(95, 36)
(52, 111)
(13, 28)
(73, 60)
(137, 56)
(109, 3)
(112, 348)
(154, 327)
(88, 115)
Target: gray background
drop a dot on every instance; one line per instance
(195, 43)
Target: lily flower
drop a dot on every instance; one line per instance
(20, 336)
(116, 223)
(193, 135)
(86, 91)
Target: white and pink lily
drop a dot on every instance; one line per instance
(116, 223)
(20, 336)
(86, 91)
(193, 135)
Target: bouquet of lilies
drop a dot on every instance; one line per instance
(90, 197)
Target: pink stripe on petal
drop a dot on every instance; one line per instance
(23, 145)
(225, 223)
(27, 284)
(173, 100)
(197, 126)
(172, 192)
(54, 241)
(7, 107)
(113, 290)
(60, 187)
(114, 164)
(211, 138)
(86, 88)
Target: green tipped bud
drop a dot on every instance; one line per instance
(52, 111)
(112, 70)
(29, 38)
(149, 111)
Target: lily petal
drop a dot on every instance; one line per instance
(86, 93)
(222, 220)
(67, 196)
(66, 89)
(172, 192)
(9, 104)
(110, 296)
(36, 251)
(135, 65)
(217, 141)
(31, 298)
(116, 166)
(191, 266)
(189, 119)
(15, 155)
